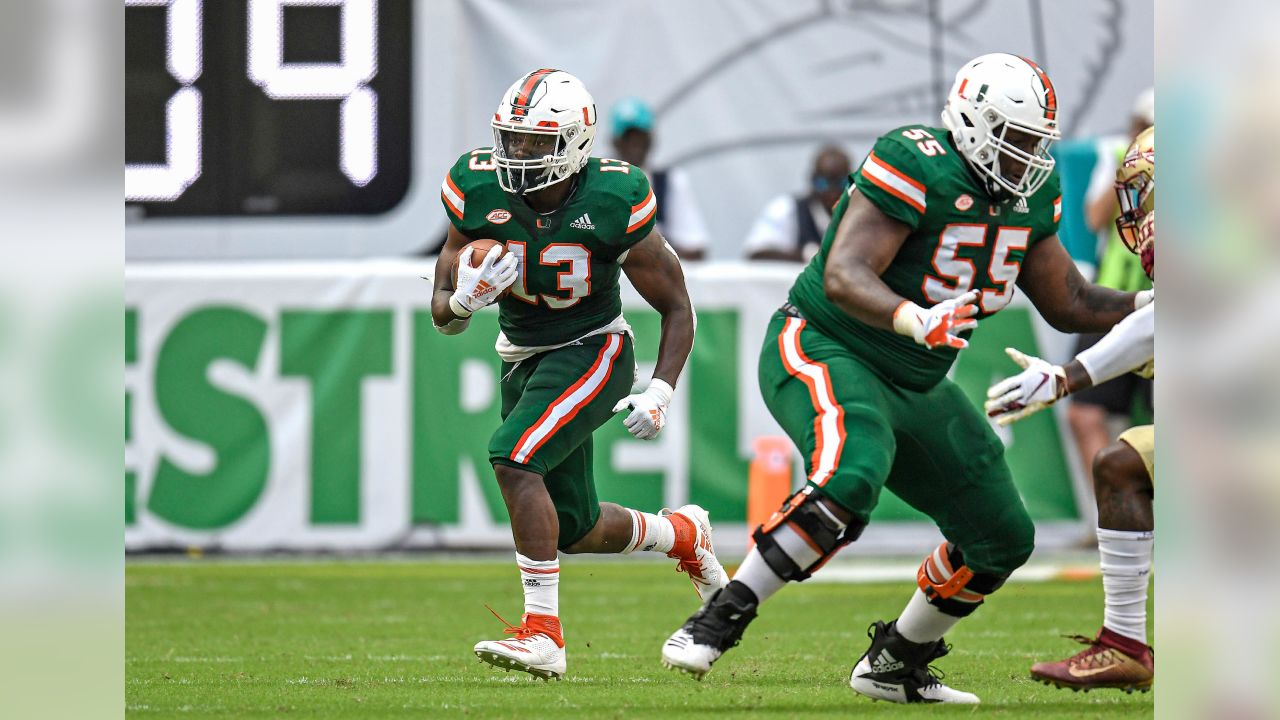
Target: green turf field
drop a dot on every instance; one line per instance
(393, 639)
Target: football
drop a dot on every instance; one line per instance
(474, 252)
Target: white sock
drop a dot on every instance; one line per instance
(922, 622)
(541, 580)
(1126, 567)
(650, 533)
(756, 574)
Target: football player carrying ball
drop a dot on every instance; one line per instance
(570, 224)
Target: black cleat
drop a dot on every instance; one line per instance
(715, 628)
(897, 670)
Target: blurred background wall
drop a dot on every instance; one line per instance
(741, 93)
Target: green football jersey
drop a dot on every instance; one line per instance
(960, 240)
(570, 259)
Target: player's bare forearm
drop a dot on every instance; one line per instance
(441, 313)
(1077, 376)
(856, 288)
(866, 242)
(654, 270)
(1095, 308)
(676, 343)
(1067, 301)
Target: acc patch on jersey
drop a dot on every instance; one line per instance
(497, 217)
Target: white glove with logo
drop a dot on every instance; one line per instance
(1038, 386)
(481, 285)
(938, 326)
(648, 409)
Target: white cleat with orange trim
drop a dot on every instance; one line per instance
(537, 648)
(698, 558)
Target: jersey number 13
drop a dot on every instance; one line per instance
(573, 281)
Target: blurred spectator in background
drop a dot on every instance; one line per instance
(1118, 268)
(791, 227)
(679, 220)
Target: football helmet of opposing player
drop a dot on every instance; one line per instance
(1136, 189)
(543, 130)
(1002, 112)
(1147, 244)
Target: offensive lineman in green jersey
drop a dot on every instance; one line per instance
(937, 227)
(571, 225)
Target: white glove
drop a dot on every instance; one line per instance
(648, 409)
(481, 285)
(938, 326)
(1038, 386)
(1144, 298)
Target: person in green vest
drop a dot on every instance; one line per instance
(1089, 411)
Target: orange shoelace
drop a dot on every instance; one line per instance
(688, 565)
(540, 625)
(520, 631)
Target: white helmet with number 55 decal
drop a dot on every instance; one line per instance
(543, 130)
(1003, 116)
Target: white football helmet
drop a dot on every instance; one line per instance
(543, 130)
(993, 96)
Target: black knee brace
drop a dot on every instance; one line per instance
(950, 585)
(815, 524)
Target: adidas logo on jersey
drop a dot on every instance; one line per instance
(886, 663)
(1021, 206)
(583, 223)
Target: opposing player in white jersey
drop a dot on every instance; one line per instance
(1124, 473)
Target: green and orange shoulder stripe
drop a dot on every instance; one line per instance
(621, 192)
(472, 175)
(893, 178)
(643, 213)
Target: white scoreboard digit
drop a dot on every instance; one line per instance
(184, 50)
(246, 128)
(346, 80)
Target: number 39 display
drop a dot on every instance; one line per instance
(267, 106)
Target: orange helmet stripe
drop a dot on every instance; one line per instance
(521, 103)
(1050, 97)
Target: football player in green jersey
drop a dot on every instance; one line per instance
(936, 230)
(571, 224)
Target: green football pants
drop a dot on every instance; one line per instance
(859, 433)
(551, 403)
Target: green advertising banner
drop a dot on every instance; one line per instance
(314, 406)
